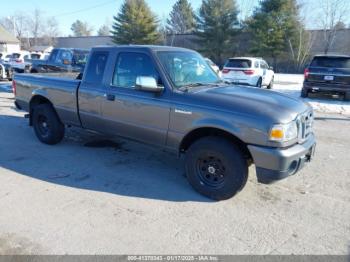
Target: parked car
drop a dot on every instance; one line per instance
(6, 71)
(2, 56)
(5, 57)
(213, 66)
(17, 61)
(328, 74)
(160, 96)
(249, 71)
(61, 60)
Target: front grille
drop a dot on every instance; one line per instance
(305, 124)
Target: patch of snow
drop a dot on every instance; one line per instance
(291, 84)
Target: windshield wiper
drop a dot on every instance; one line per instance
(185, 88)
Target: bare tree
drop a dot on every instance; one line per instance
(51, 30)
(36, 24)
(300, 50)
(332, 13)
(17, 24)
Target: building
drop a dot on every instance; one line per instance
(8, 43)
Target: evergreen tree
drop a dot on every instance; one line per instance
(104, 30)
(135, 24)
(217, 26)
(182, 18)
(274, 26)
(80, 28)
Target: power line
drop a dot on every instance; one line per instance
(85, 9)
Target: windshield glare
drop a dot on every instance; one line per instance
(187, 68)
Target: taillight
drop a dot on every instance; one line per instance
(14, 87)
(19, 60)
(306, 73)
(249, 72)
(225, 71)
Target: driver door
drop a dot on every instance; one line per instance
(132, 113)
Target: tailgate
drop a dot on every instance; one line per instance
(330, 70)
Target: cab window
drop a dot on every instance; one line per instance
(131, 65)
(96, 68)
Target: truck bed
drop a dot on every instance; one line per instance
(62, 92)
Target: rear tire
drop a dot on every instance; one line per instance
(216, 168)
(47, 126)
(347, 96)
(270, 86)
(304, 93)
(259, 83)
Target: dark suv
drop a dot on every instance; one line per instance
(328, 74)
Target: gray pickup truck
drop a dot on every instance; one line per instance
(170, 97)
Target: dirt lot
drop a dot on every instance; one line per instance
(89, 196)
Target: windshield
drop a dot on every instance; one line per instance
(187, 68)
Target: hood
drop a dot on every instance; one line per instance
(255, 102)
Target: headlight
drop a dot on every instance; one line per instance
(284, 132)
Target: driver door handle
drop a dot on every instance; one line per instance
(110, 97)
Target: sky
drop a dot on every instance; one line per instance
(95, 12)
(98, 12)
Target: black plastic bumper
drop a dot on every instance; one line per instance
(273, 164)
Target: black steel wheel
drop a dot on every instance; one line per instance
(47, 126)
(216, 168)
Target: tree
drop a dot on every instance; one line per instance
(135, 24)
(182, 18)
(17, 24)
(36, 24)
(332, 14)
(51, 30)
(80, 28)
(104, 30)
(217, 26)
(274, 27)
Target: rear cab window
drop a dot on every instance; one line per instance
(331, 62)
(96, 68)
(239, 63)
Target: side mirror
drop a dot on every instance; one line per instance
(148, 83)
(66, 62)
(271, 67)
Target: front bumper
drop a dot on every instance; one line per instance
(273, 164)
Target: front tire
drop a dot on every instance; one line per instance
(47, 126)
(216, 168)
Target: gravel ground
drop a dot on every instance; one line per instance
(89, 195)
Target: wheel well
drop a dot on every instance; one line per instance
(37, 100)
(204, 132)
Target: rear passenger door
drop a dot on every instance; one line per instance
(92, 92)
(132, 113)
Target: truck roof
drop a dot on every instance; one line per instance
(142, 47)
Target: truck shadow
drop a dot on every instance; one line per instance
(90, 161)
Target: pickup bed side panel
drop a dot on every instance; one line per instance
(59, 91)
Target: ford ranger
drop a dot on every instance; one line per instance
(170, 98)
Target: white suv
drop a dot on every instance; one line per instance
(248, 71)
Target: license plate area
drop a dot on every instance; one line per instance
(329, 78)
